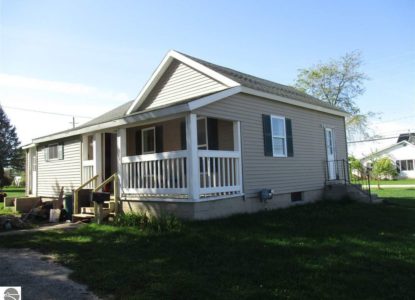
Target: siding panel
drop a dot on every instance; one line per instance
(180, 82)
(54, 174)
(304, 171)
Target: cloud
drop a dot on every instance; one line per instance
(62, 87)
(21, 82)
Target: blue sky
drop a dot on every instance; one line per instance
(85, 57)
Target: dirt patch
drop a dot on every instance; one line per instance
(39, 276)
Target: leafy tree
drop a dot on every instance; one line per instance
(338, 82)
(383, 168)
(10, 153)
(356, 167)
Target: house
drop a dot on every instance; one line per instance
(199, 141)
(401, 153)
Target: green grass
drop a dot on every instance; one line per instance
(401, 196)
(5, 211)
(394, 182)
(14, 191)
(319, 251)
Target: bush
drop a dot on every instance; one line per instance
(146, 221)
(383, 168)
(6, 180)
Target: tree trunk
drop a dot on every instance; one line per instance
(1, 176)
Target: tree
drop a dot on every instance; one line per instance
(356, 167)
(383, 168)
(10, 153)
(338, 82)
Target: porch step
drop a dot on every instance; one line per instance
(80, 217)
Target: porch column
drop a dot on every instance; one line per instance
(121, 152)
(237, 145)
(193, 175)
(97, 149)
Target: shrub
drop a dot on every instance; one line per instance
(356, 167)
(383, 168)
(146, 221)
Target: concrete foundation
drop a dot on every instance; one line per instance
(219, 208)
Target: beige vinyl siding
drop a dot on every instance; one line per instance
(54, 174)
(178, 83)
(171, 136)
(304, 171)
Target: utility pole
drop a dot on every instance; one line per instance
(73, 122)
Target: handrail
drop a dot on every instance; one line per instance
(86, 183)
(76, 191)
(106, 181)
(114, 178)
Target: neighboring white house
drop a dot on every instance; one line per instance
(403, 156)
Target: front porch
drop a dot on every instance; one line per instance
(186, 158)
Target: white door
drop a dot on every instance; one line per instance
(331, 154)
(33, 167)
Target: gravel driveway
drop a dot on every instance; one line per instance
(39, 276)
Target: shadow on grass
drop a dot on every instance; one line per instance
(318, 251)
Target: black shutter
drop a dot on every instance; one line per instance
(159, 139)
(183, 141)
(138, 147)
(266, 125)
(289, 134)
(212, 133)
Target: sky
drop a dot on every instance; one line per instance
(83, 57)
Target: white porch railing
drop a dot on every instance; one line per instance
(166, 173)
(220, 172)
(159, 173)
(88, 172)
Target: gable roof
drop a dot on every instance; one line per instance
(386, 149)
(232, 82)
(264, 85)
(230, 78)
(410, 137)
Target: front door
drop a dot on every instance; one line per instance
(331, 154)
(109, 156)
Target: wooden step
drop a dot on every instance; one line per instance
(81, 217)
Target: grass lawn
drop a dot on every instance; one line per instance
(14, 191)
(318, 251)
(5, 211)
(393, 182)
(402, 196)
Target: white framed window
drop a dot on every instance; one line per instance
(53, 151)
(279, 136)
(202, 134)
(405, 165)
(148, 140)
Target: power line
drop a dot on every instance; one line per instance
(371, 140)
(45, 112)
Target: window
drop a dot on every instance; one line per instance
(405, 165)
(148, 140)
(202, 141)
(279, 140)
(90, 150)
(296, 196)
(53, 151)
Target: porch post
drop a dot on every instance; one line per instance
(97, 148)
(121, 152)
(193, 175)
(237, 145)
